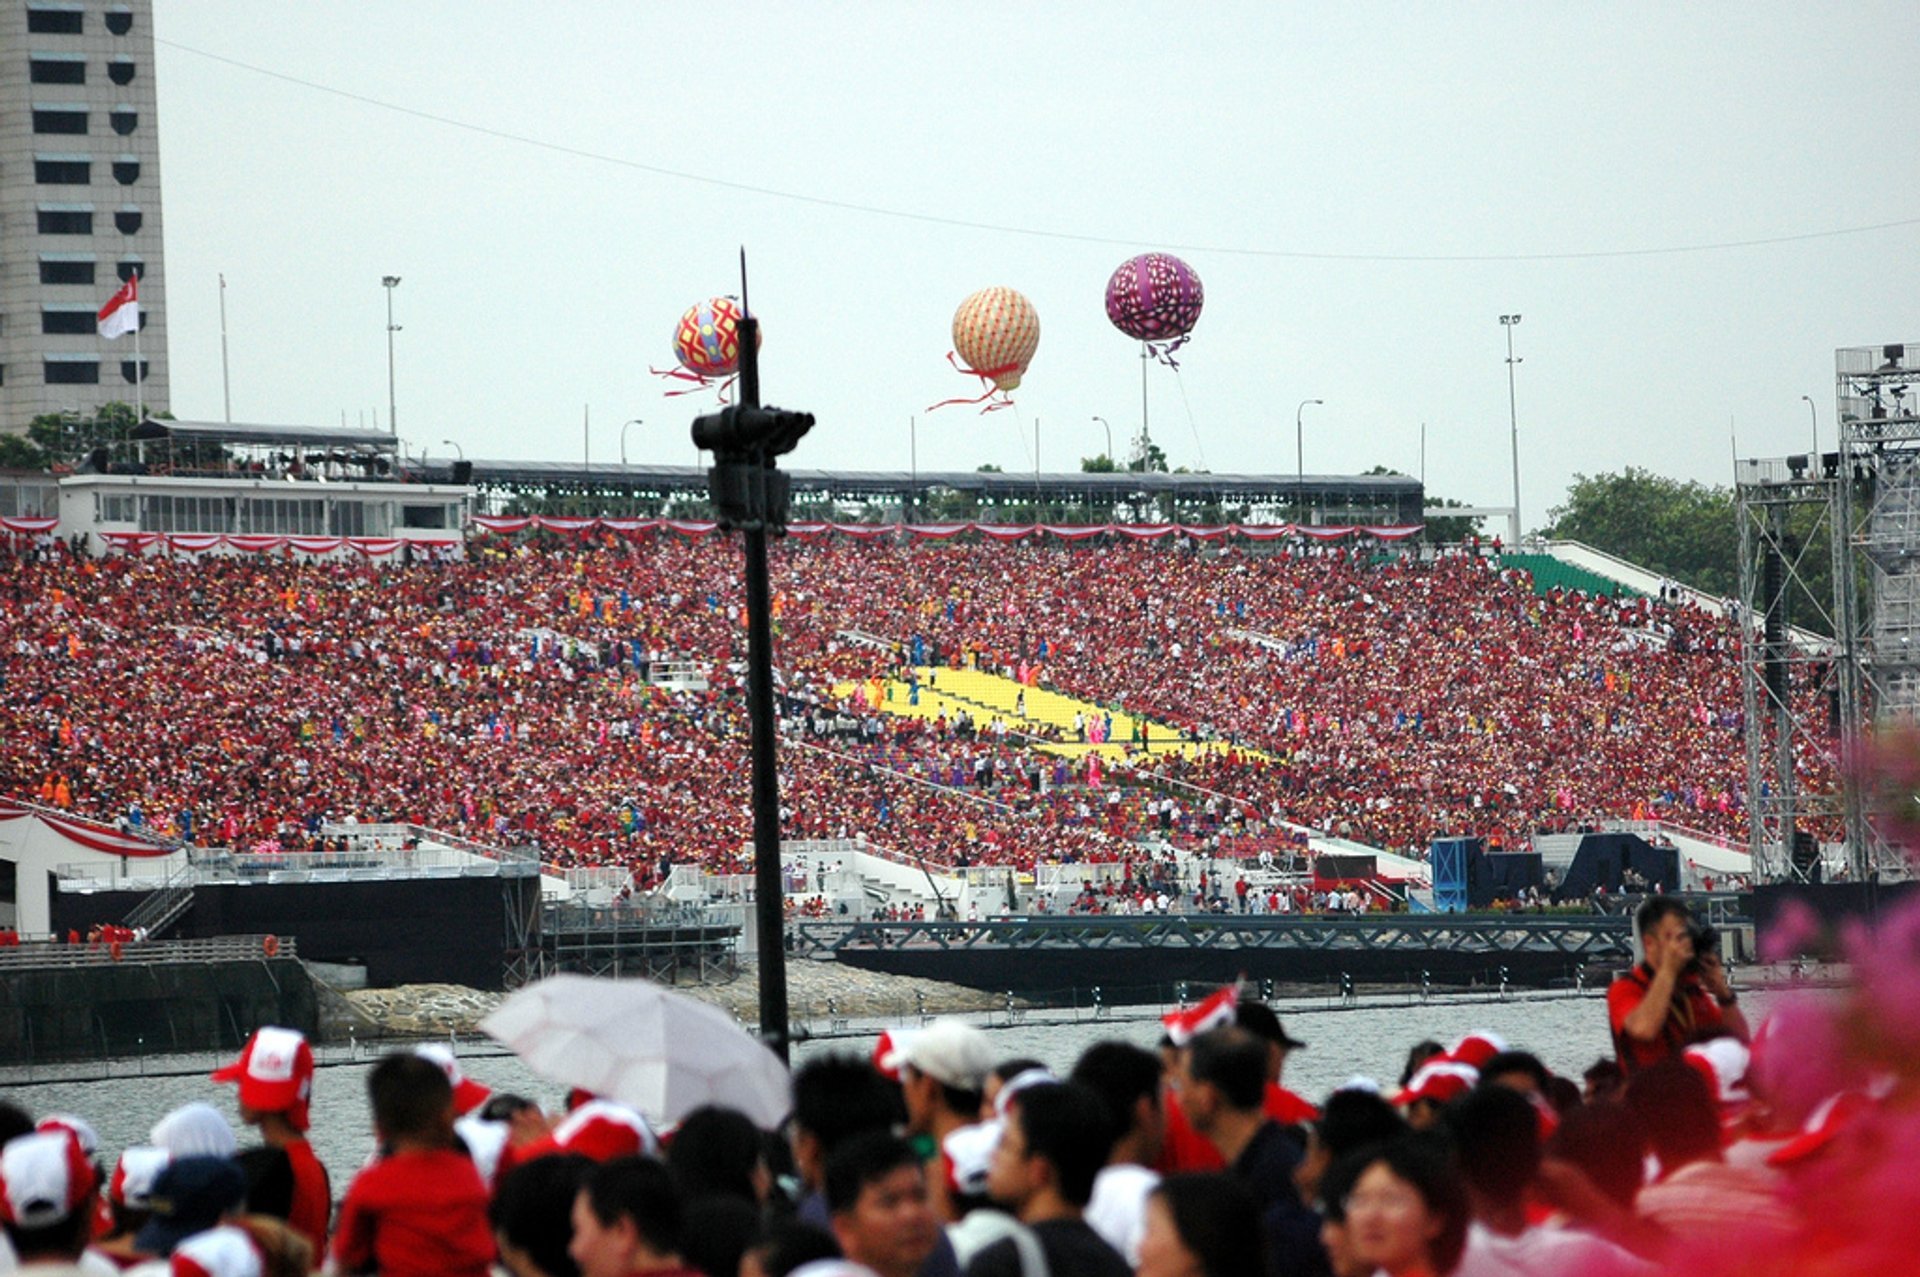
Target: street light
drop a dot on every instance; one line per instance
(1513, 421)
(1815, 415)
(390, 282)
(458, 450)
(1300, 452)
(623, 441)
(1109, 429)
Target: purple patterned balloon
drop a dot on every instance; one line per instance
(1155, 297)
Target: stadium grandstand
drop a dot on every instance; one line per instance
(960, 697)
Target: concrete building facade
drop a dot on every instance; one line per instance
(79, 205)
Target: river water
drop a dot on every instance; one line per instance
(1567, 1030)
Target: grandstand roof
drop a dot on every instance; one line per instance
(234, 432)
(986, 483)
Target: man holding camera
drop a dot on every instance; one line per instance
(1677, 996)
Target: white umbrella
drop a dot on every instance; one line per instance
(633, 1041)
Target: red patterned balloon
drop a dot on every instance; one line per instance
(707, 342)
(1155, 297)
(996, 332)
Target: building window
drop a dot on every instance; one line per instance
(284, 516)
(59, 120)
(126, 172)
(83, 321)
(73, 372)
(114, 507)
(125, 122)
(53, 70)
(144, 367)
(127, 220)
(65, 221)
(120, 71)
(58, 271)
(62, 172)
(119, 21)
(185, 514)
(128, 267)
(54, 21)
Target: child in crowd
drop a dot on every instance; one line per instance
(421, 1208)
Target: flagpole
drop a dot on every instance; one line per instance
(139, 373)
(226, 386)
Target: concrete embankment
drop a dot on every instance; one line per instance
(816, 991)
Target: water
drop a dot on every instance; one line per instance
(1568, 1031)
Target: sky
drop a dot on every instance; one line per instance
(1363, 188)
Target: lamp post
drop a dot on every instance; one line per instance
(913, 467)
(1300, 453)
(1814, 414)
(623, 441)
(1109, 429)
(1513, 421)
(390, 282)
(457, 449)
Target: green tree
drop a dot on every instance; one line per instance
(1102, 464)
(18, 452)
(1682, 530)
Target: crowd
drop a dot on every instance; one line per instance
(1693, 1150)
(247, 701)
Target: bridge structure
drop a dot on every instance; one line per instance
(1036, 955)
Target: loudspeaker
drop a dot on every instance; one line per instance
(463, 472)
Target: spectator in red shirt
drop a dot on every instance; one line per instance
(275, 1073)
(1675, 997)
(421, 1208)
(1282, 1105)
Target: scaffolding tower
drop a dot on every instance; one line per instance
(1795, 684)
(1878, 389)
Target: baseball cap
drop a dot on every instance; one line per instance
(1438, 1080)
(275, 1073)
(468, 1094)
(189, 1197)
(225, 1251)
(1476, 1048)
(1258, 1019)
(134, 1174)
(44, 1178)
(969, 1151)
(598, 1129)
(195, 1130)
(81, 1128)
(951, 1052)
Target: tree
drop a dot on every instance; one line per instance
(18, 452)
(1682, 530)
(1102, 464)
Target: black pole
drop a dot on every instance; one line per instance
(750, 494)
(770, 896)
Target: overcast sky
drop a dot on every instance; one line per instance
(1296, 155)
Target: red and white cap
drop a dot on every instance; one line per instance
(1475, 1049)
(468, 1094)
(275, 1073)
(44, 1178)
(598, 1129)
(1010, 1090)
(225, 1251)
(134, 1173)
(1438, 1080)
(1723, 1062)
(890, 1052)
(79, 1127)
(969, 1151)
(1188, 1023)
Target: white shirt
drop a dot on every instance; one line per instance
(1543, 1251)
(1118, 1208)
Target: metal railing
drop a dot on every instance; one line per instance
(49, 953)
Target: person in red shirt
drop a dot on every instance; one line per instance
(1675, 997)
(275, 1073)
(422, 1207)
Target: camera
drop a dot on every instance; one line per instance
(1706, 941)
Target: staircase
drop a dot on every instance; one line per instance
(164, 905)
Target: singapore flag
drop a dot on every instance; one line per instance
(121, 315)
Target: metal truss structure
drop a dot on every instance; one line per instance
(1798, 695)
(1878, 391)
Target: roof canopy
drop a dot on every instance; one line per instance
(253, 435)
